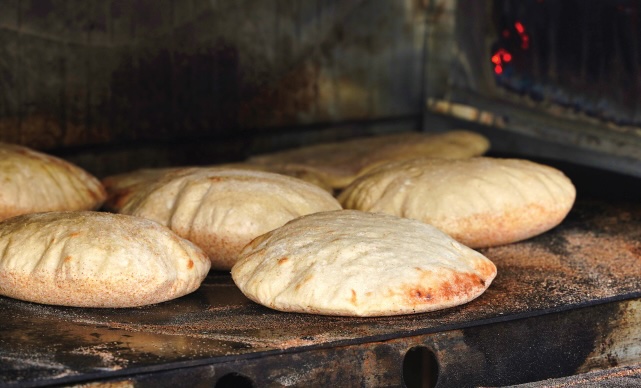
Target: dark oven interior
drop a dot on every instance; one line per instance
(114, 86)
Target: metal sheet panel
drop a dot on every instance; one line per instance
(590, 263)
(113, 72)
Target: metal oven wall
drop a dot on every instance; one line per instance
(116, 85)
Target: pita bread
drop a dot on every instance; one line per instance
(93, 259)
(339, 163)
(480, 202)
(36, 182)
(355, 263)
(221, 210)
(122, 187)
(293, 171)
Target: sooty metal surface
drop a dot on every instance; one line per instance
(592, 259)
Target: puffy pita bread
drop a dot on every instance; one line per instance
(339, 163)
(94, 259)
(122, 187)
(221, 209)
(355, 263)
(480, 202)
(293, 171)
(35, 182)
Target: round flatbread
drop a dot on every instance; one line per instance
(339, 163)
(221, 209)
(480, 202)
(36, 182)
(94, 259)
(121, 188)
(355, 263)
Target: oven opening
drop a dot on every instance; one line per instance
(234, 380)
(582, 55)
(420, 368)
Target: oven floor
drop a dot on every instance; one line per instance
(571, 293)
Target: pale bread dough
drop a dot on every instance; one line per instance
(339, 163)
(222, 209)
(35, 182)
(356, 263)
(480, 202)
(95, 259)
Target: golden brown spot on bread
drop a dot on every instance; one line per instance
(74, 234)
(282, 261)
(455, 286)
(67, 259)
(460, 284)
(487, 269)
(307, 279)
(190, 264)
(420, 294)
(353, 300)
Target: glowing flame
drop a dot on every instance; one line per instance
(525, 37)
(499, 58)
(519, 28)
